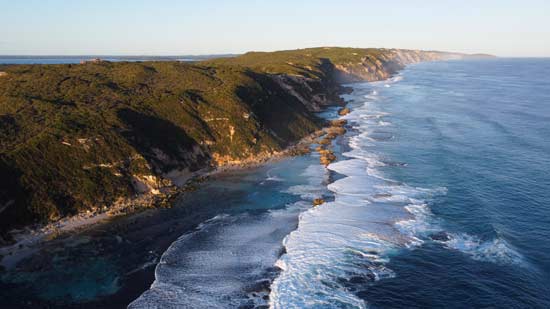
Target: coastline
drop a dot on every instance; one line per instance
(55, 233)
(215, 112)
(29, 240)
(147, 233)
(150, 223)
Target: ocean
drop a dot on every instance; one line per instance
(440, 198)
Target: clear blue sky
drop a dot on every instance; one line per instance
(163, 27)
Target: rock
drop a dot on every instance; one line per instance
(360, 280)
(318, 201)
(440, 236)
(338, 123)
(331, 133)
(344, 111)
(3, 74)
(327, 157)
(299, 150)
(325, 141)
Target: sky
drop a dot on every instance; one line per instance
(164, 27)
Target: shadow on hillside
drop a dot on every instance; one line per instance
(164, 145)
(12, 200)
(277, 109)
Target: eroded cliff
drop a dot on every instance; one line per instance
(76, 138)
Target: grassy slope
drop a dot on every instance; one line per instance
(72, 137)
(305, 62)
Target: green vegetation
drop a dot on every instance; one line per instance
(75, 137)
(305, 62)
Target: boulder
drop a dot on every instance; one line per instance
(318, 201)
(440, 236)
(344, 111)
(338, 122)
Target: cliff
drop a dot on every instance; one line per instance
(77, 138)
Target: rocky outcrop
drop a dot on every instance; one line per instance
(384, 65)
(343, 111)
(318, 201)
(314, 94)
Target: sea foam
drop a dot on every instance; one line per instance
(343, 246)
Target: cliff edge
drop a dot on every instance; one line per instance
(89, 137)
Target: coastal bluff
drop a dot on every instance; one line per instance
(86, 138)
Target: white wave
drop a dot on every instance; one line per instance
(352, 238)
(371, 218)
(396, 78)
(316, 175)
(306, 192)
(352, 167)
(372, 95)
(225, 263)
(335, 244)
(496, 250)
(419, 225)
(274, 178)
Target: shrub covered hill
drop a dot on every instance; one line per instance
(76, 138)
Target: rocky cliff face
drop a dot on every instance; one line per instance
(76, 138)
(374, 68)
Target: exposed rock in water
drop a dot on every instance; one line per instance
(440, 236)
(327, 157)
(338, 123)
(318, 201)
(344, 111)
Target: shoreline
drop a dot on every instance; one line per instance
(152, 188)
(140, 279)
(149, 224)
(29, 240)
(137, 232)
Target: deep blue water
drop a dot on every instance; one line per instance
(480, 129)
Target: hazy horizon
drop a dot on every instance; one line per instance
(164, 28)
(208, 55)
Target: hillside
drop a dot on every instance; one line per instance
(76, 138)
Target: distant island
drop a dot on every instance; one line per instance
(113, 137)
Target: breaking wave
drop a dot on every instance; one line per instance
(341, 246)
